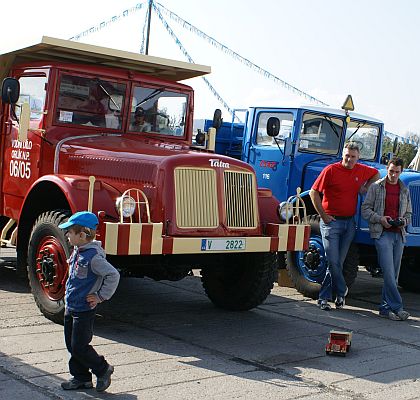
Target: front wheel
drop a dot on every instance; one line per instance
(47, 264)
(307, 269)
(242, 282)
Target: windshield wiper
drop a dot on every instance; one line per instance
(150, 96)
(331, 124)
(360, 125)
(100, 84)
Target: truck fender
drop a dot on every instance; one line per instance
(268, 206)
(74, 190)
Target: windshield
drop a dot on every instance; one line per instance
(90, 102)
(320, 134)
(158, 111)
(365, 135)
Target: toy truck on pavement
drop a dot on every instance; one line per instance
(339, 342)
(83, 126)
(288, 148)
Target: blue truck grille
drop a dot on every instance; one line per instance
(415, 201)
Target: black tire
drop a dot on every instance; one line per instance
(243, 281)
(47, 264)
(311, 287)
(409, 277)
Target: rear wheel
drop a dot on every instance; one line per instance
(47, 264)
(243, 281)
(307, 269)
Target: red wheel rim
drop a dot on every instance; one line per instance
(51, 267)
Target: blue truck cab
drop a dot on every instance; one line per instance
(288, 148)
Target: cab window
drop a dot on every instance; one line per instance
(320, 134)
(158, 111)
(33, 92)
(90, 102)
(286, 125)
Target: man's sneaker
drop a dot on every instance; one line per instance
(104, 381)
(340, 302)
(74, 384)
(403, 315)
(390, 315)
(324, 305)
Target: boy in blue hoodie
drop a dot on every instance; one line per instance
(92, 279)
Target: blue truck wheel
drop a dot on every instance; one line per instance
(307, 268)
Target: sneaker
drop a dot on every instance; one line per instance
(74, 384)
(340, 302)
(403, 315)
(390, 315)
(324, 305)
(104, 381)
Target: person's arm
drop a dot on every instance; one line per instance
(111, 277)
(365, 187)
(317, 202)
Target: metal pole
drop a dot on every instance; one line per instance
(149, 17)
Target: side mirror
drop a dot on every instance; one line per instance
(273, 126)
(10, 90)
(217, 118)
(25, 117)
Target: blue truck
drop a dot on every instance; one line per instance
(288, 148)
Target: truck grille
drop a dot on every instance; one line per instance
(196, 198)
(240, 199)
(415, 202)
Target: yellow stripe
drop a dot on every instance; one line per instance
(135, 239)
(157, 241)
(300, 235)
(111, 238)
(283, 235)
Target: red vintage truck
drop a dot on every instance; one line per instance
(89, 127)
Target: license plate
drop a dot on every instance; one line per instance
(236, 244)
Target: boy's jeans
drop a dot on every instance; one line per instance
(336, 238)
(78, 333)
(390, 248)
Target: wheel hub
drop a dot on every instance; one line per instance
(312, 258)
(46, 267)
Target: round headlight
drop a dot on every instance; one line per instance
(285, 211)
(126, 205)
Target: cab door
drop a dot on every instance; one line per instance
(21, 161)
(269, 155)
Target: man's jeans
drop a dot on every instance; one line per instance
(390, 248)
(78, 333)
(336, 238)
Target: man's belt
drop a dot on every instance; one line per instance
(340, 217)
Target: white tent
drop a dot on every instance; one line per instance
(415, 163)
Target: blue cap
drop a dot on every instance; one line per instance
(82, 218)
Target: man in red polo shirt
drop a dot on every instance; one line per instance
(340, 183)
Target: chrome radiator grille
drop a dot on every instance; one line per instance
(415, 202)
(240, 199)
(196, 198)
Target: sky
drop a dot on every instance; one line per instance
(325, 48)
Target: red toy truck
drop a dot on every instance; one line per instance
(70, 111)
(339, 342)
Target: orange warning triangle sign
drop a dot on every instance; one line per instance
(348, 104)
